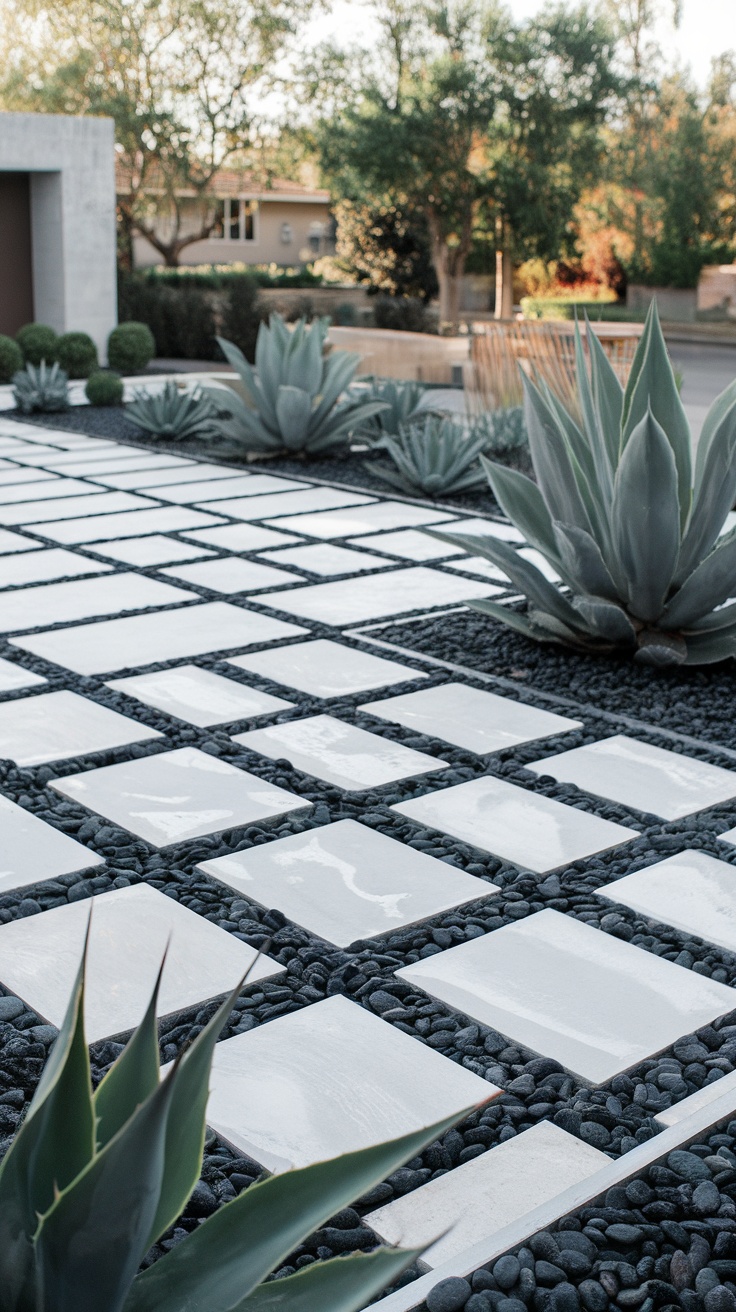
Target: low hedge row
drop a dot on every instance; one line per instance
(130, 346)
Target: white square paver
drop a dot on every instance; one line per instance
(237, 485)
(177, 795)
(12, 474)
(482, 568)
(90, 467)
(133, 524)
(32, 850)
(484, 1195)
(349, 523)
(141, 480)
(540, 562)
(519, 826)
(345, 882)
(494, 527)
(57, 488)
(93, 503)
(199, 696)
(330, 1079)
(339, 753)
(42, 566)
(14, 676)
(375, 596)
(691, 890)
(638, 775)
(159, 636)
(326, 558)
(16, 542)
(586, 999)
(286, 503)
(57, 603)
(153, 550)
(326, 669)
(131, 930)
(241, 537)
(468, 717)
(408, 544)
(54, 726)
(231, 574)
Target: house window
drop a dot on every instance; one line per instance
(235, 220)
(286, 234)
(316, 235)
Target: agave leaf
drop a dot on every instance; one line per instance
(713, 421)
(344, 1284)
(235, 357)
(265, 381)
(583, 563)
(346, 419)
(557, 473)
(338, 373)
(722, 618)
(644, 518)
(513, 619)
(525, 506)
(713, 582)
(293, 412)
(662, 650)
(304, 365)
(244, 426)
(608, 395)
(91, 1241)
(596, 445)
(652, 387)
(132, 1078)
(215, 1268)
(606, 620)
(708, 648)
(713, 499)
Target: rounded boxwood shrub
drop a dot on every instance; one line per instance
(11, 358)
(104, 388)
(37, 342)
(77, 354)
(130, 346)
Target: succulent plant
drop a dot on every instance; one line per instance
(432, 457)
(632, 525)
(399, 400)
(92, 1180)
(296, 392)
(41, 387)
(172, 413)
(504, 430)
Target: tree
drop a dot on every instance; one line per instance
(387, 246)
(179, 77)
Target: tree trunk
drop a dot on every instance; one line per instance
(449, 265)
(449, 297)
(504, 307)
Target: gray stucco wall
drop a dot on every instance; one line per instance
(72, 166)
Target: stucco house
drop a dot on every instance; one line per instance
(282, 222)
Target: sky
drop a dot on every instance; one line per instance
(708, 28)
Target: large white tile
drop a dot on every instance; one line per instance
(54, 726)
(326, 558)
(238, 485)
(588, 1000)
(286, 503)
(375, 596)
(540, 562)
(329, 1079)
(482, 568)
(100, 455)
(496, 528)
(55, 490)
(16, 542)
(646, 778)
(691, 890)
(14, 676)
(92, 504)
(199, 696)
(468, 717)
(32, 850)
(345, 882)
(55, 603)
(241, 537)
(42, 566)
(349, 523)
(132, 463)
(231, 574)
(131, 930)
(162, 476)
(133, 524)
(177, 795)
(481, 1197)
(326, 669)
(153, 550)
(408, 544)
(339, 753)
(160, 636)
(12, 474)
(519, 826)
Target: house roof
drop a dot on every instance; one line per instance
(228, 182)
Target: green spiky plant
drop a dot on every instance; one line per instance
(172, 413)
(399, 400)
(433, 458)
(92, 1180)
(624, 515)
(504, 430)
(295, 389)
(43, 387)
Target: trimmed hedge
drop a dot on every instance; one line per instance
(104, 388)
(219, 276)
(77, 354)
(130, 346)
(185, 318)
(549, 307)
(37, 342)
(11, 358)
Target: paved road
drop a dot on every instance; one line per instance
(706, 370)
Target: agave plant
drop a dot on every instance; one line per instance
(399, 400)
(433, 457)
(92, 1180)
(630, 522)
(41, 387)
(172, 413)
(503, 430)
(295, 390)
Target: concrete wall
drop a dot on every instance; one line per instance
(717, 291)
(675, 304)
(267, 246)
(73, 237)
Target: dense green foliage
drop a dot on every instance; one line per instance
(387, 246)
(180, 316)
(11, 358)
(432, 457)
(76, 353)
(242, 315)
(632, 526)
(42, 387)
(130, 347)
(174, 413)
(93, 1179)
(104, 388)
(37, 342)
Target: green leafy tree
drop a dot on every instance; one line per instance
(387, 246)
